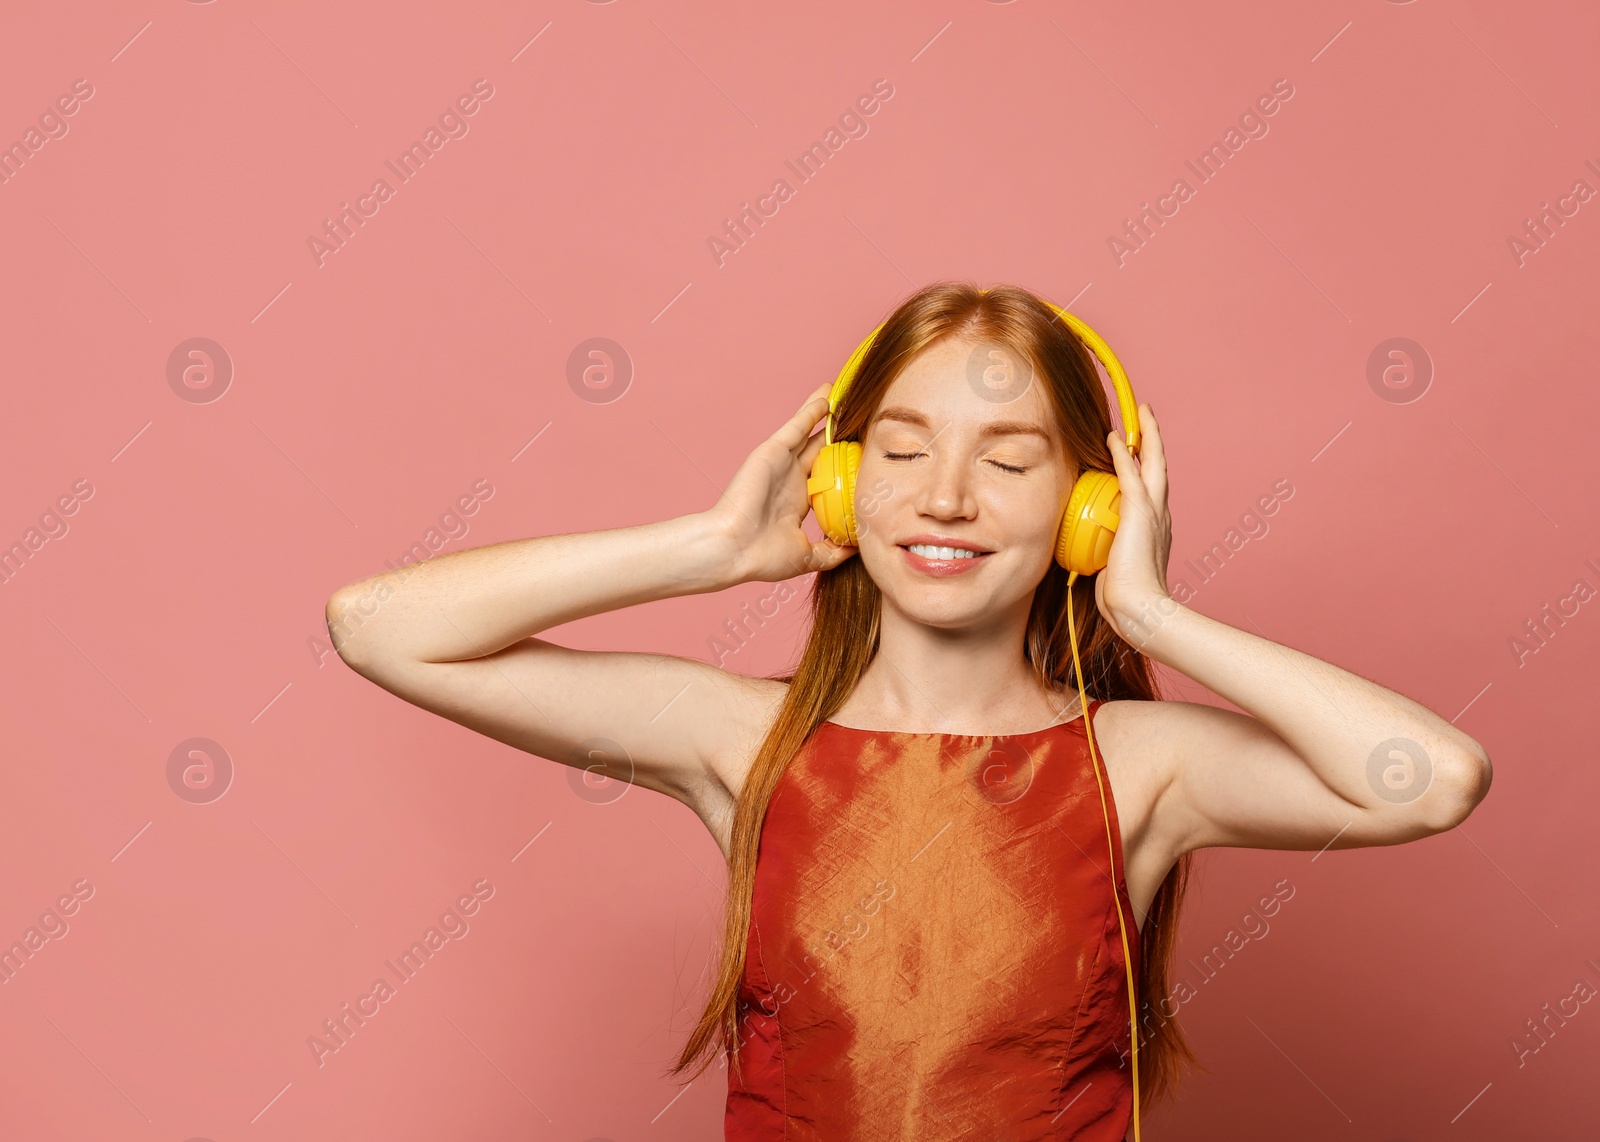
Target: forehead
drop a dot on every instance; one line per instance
(971, 385)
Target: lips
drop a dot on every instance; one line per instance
(943, 568)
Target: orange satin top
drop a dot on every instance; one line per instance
(934, 951)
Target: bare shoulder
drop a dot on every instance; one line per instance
(1145, 743)
(1145, 724)
(1151, 740)
(1136, 739)
(1162, 731)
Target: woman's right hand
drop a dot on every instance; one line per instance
(763, 506)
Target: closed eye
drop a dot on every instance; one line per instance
(914, 455)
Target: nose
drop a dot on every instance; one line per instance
(946, 489)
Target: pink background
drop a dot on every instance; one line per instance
(183, 596)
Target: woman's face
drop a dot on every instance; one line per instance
(962, 453)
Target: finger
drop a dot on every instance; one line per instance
(826, 555)
(808, 454)
(794, 432)
(1152, 455)
(1126, 468)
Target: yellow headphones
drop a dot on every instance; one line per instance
(1083, 545)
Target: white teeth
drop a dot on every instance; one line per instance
(928, 551)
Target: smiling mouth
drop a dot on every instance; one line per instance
(930, 551)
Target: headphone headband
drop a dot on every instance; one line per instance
(1095, 343)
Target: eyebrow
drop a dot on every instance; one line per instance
(993, 428)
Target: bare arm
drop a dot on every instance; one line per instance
(454, 634)
(1321, 753)
(469, 604)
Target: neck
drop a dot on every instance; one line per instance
(940, 678)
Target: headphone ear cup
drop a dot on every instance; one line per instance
(1090, 523)
(832, 488)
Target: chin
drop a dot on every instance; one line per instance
(945, 614)
(936, 601)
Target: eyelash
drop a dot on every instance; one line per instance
(914, 455)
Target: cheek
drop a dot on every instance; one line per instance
(876, 498)
(1027, 517)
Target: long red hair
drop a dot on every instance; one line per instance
(844, 637)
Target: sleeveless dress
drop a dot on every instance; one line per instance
(933, 949)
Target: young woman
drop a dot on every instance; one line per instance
(940, 877)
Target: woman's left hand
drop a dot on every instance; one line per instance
(1132, 588)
